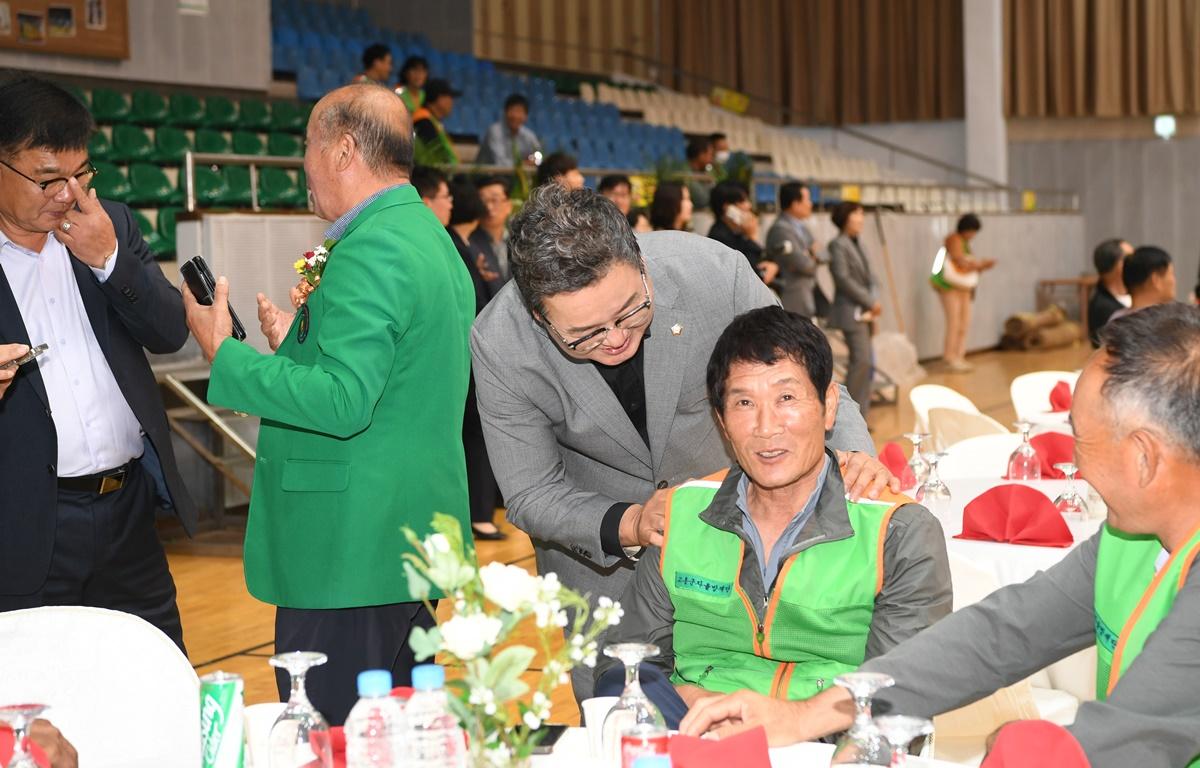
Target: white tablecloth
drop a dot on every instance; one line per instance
(571, 751)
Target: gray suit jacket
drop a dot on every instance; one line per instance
(564, 450)
(797, 266)
(855, 286)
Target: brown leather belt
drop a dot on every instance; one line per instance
(99, 483)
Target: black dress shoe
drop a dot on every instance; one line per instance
(496, 535)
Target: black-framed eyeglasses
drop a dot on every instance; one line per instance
(52, 187)
(634, 318)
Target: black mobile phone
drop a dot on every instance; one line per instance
(553, 734)
(202, 284)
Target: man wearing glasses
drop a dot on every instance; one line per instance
(85, 453)
(590, 377)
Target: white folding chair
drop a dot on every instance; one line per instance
(926, 396)
(1030, 392)
(948, 426)
(984, 456)
(119, 689)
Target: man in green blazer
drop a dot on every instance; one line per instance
(361, 404)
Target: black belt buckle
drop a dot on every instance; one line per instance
(113, 482)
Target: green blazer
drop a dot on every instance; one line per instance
(361, 419)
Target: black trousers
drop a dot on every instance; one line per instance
(481, 483)
(354, 639)
(107, 555)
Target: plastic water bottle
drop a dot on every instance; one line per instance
(435, 739)
(376, 727)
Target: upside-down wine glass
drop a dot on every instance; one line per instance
(634, 707)
(900, 731)
(917, 463)
(1024, 463)
(934, 493)
(863, 744)
(20, 717)
(300, 735)
(1069, 503)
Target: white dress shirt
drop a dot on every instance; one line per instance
(96, 428)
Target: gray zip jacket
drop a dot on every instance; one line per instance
(916, 584)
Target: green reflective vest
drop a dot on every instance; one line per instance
(1132, 599)
(816, 619)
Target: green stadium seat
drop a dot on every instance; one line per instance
(185, 109)
(170, 144)
(288, 117)
(109, 106)
(210, 186)
(130, 142)
(277, 189)
(152, 238)
(110, 182)
(166, 224)
(149, 108)
(220, 112)
(208, 140)
(99, 146)
(246, 143)
(285, 145)
(151, 186)
(254, 115)
(237, 185)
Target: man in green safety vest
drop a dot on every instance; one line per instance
(1131, 590)
(768, 578)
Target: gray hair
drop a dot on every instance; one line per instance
(565, 240)
(1154, 371)
(383, 131)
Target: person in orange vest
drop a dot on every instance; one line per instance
(1131, 590)
(435, 147)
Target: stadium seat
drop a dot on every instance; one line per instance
(253, 115)
(237, 185)
(110, 182)
(148, 108)
(277, 189)
(185, 109)
(99, 146)
(210, 141)
(288, 117)
(284, 145)
(220, 112)
(109, 106)
(170, 144)
(210, 186)
(152, 238)
(130, 142)
(246, 143)
(166, 226)
(151, 186)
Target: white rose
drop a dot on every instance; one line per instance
(435, 545)
(508, 586)
(467, 636)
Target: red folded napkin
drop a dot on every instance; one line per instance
(1035, 744)
(1015, 514)
(892, 456)
(1060, 397)
(337, 743)
(1053, 448)
(745, 750)
(6, 749)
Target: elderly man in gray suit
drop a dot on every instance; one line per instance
(791, 245)
(590, 377)
(855, 301)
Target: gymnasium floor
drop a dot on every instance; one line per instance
(225, 628)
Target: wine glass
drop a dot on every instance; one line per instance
(917, 463)
(300, 735)
(899, 731)
(634, 707)
(20, 717)
(1070, 504)
(1024, 463)
(863, 744)
(934, 493)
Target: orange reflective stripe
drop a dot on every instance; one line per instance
(785, 680)
(1187, 565)
(883, 526)
(737, 585)
(779, 582)
(662, 555)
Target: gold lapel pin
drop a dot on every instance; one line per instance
(676, 330)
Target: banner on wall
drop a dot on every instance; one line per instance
(89, 28)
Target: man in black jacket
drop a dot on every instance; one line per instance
(85, 452)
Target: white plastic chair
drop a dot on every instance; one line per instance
(948, 426)
(119, 689)
(1030, 392)
(985, 456)
(926, 396)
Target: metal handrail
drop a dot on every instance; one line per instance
(211, 416)
(190, 159)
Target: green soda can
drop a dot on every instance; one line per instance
(222, 716)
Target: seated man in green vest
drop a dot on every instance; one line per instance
(1131, 590)
(768, 578)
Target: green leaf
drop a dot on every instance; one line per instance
(507, 690)
(508, 665)
(425, 643)
(418, 585)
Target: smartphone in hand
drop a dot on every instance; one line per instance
(203, 285)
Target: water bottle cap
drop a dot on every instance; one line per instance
(428, 677)
(652, 761)
(374, 682)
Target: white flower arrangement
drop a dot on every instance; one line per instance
(490, 699)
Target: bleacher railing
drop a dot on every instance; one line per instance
(190, 159)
